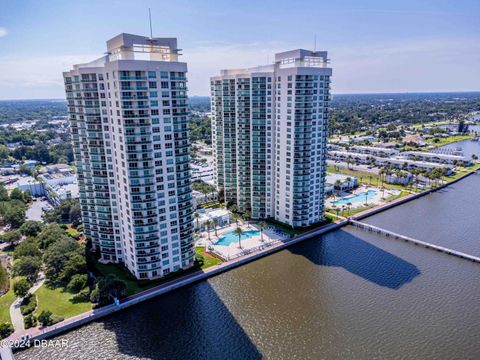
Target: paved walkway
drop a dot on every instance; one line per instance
(15, 313)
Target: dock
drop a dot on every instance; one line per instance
(388, 233)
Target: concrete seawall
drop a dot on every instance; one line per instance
(93, 315)
(406, 199)
(77, 321)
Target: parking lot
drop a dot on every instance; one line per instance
(34, 212)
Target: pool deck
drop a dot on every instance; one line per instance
(233, 250)
(376, 200)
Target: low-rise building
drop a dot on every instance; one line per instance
(394, 162)
(35, 187)
(57, 193)
(345, 183)
(221, 217)
(403, 178)
(373, 150)
(58, 178)
(436, 157)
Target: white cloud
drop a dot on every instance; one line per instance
(430, 64)
(3, 32)
(36, 77)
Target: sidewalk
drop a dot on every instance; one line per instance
(15, 313)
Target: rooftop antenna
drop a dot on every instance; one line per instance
(315, 43)
(150, 18)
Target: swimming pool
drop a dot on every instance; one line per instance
(356, 198)
(231, 237)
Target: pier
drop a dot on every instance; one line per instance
(388, 233)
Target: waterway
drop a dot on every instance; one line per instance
(350, 294)
(469, 147)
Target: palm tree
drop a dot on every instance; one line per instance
(343, 209)
(205, 191)
(366, 198)
(337, 185)
(236, 217)
(233, 208)
(246, 216)
(349, 205)
(239, 232)
(215, 224)
(262, 225)
(208, 224)
(197, 217)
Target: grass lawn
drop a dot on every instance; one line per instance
(207, 259)
(5, 302)
(431, 123)
(59, 302)
(135, 286)
(72, 231)
(364, 177)
(449, 140)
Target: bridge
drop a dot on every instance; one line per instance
(388, 233)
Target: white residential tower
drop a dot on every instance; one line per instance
(128, 116)
(270, 129)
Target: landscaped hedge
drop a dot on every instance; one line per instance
(29, 304)
(30, 321)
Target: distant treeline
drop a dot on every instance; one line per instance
(15, 111)
(349, 113)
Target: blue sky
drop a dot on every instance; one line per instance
(374, 46)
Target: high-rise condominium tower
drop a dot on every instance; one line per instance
(128, 117)
(270, 134)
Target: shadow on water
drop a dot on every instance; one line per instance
(189, 323)
(343, 249)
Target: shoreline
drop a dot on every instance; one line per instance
(14, 340)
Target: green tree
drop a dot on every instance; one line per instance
(6, 330)
(4, 152)
(246, 216)
(50, 234)
(77, 283)
(28, 266)
(57, 255)
(31, 228)
(27, 196)
(108, 288)
(238, 231)
(75, 265)
(208, 225)
(197, 216)
(28, 247)
(21, 287)
(16, 194)
(3, 193)
(263, 226)
(14, 215)
(68, 211)
(12, 237)
(30, 321)
(45, 318)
